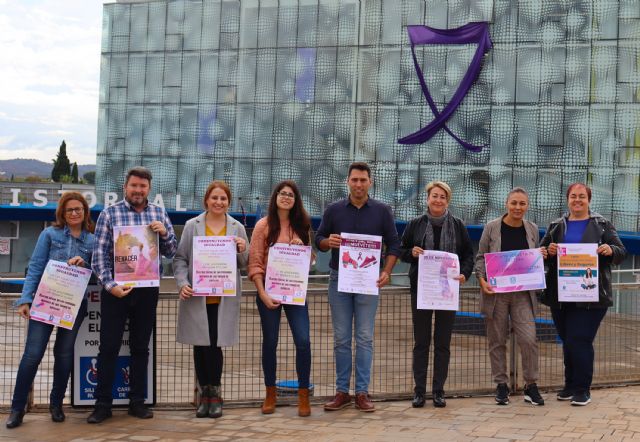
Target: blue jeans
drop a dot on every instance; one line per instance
(139, 306)
(37, 339)
(577, 327)
(345, 308)
(298, 318)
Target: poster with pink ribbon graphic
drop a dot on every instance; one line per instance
(214, 266)
(515, 270)
(60, 294)
(437, 287)
(359, 264)
(287, 273)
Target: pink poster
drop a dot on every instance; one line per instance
(136, 261)
(515, 270)
(60, 294)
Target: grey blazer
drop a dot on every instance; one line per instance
(193, 327)
(491, 241)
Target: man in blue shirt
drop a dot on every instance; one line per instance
(356, 214)
(119, 303)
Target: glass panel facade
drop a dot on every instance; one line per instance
(256, 91)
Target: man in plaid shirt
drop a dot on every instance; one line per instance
(119, 303)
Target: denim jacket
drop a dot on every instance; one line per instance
(57, 244)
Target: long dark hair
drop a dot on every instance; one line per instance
(298, 216)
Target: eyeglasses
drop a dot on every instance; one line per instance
(283, 194)
(71, 210)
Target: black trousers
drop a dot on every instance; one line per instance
(442, 330)
(208, 359)
(577, 327)
(139, 307)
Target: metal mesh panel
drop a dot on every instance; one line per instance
(616, 358)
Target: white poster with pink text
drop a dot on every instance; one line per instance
(359, 265)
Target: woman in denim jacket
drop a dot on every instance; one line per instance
(69, 239)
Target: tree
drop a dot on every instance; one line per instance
(74, 173)
(61, 165)
(90, 177)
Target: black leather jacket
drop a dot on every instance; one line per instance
(412, 236)
(599, 231)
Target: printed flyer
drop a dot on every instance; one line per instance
(288, 273)
(515, 270)
(577, 273)
(136, 261)
(437, 288)
(214, 266)
(359, 265)
(60, 294)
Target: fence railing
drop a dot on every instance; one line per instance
(617, 350)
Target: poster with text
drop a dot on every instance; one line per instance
(578, 272)
(287, 273)
(437, 288)
(359, 264)
(214, 266)
(59, 294)
(515, 270)
(84, 379)
(136, 260)
(5, 246)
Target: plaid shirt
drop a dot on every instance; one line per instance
(122, 214)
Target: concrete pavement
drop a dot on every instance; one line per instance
(613, 415)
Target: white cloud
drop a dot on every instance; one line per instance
(50, 86)
(6, 140)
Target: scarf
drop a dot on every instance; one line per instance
(447, 234)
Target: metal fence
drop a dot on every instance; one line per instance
(617, 351)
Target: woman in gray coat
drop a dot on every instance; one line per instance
(510, 232)
(209, 322)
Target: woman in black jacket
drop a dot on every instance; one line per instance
(577, 322)
(436, 230)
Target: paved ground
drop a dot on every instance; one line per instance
(613, 415)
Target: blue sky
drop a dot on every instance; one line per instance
(49, 78)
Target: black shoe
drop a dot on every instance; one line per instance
(140, 410)
(532, 395)
(418, 400)
(57, 415)
(564, 395)
(215, 402)
(99, 414)
(581, 399)
(502, 394)
(438, 399)
(15, 419)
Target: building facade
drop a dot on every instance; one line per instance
(256, 91)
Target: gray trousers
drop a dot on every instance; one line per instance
(518, 307)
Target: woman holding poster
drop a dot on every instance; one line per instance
(578, 320)
(511, 233)
(209, 322)
(439, 230)
(69, 239)
(287, 222)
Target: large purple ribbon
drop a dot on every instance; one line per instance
(468, 34)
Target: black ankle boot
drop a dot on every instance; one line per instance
(438, 399)
(15, 419)
(57, 415)
(215, 402)
(205, 397)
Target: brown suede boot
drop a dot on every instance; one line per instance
(304, 408)
(269, 404)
